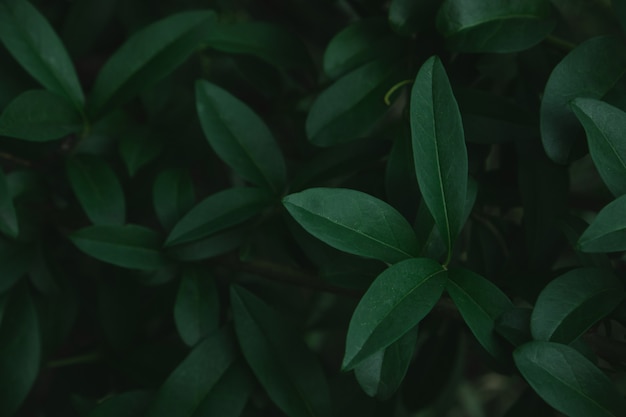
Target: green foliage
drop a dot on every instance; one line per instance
(401, 208)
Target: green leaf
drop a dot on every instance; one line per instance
(351, 107)
(590, 70)
(8, 219)
(514, 325)
(604, 125)
(409, 16)
(127, 404)
(128, 246)
(480, 303)
(15, 260)
(501, 26)
(217, 212)
(573, 228)
(172, 195)
(19, 350)
(568, 381)
(289, 372)
(39, 116)
(240, 137)
(607, 232)
(396, 302)
(353, 222)
(97, 188)
(148, 56)
(33, 43)
(381, 374)
(139, 148)
(439, 149)
(197, 309)
(210, 247)
(573, 302)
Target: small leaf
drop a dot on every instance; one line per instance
(480, 303)
(129, 246)
(439, 149)
(604, 125)
(33, 43)
(138, 149)
(127, 404)
(281, 361)
(172, 195)
(240, 137)
(568, 381)
(196, 311)
(573, 302)
(396, 302)
(97, 188)
(590, 70)
(607, 232)
(218, 212)
(39, 116)
(514, 325)
(8, 218)
(353, 222)
(210, 247)
(148, 56)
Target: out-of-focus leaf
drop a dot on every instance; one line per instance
(8, 218)
(212, 246)
(401, 186)
(15, 260)
(172, 195)
(196, 311)
(84, 24)
(568, 381)
(514, 325)
(353, 222)
(395, 303)
(409, 16)
(607, 232)
(127, 404)
(573, 227)
(138, 149)
(240, 137)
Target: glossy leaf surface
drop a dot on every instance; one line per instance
(353, 222)
(607, 232)
(8, 218)
(196, 311)
(172, 196)
(396, 302)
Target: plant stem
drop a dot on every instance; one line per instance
(560, 43)
(76, 360)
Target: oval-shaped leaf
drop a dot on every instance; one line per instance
(353, 222)
(439, 150)
(8, 219)
(480, 303)
(396, 302)
(172, 195)
(197, 309)
(129, 246)
(240, 137)
(39, 116)
(218, 212)
(215, 245)
(573, 302)
(590, 70)
(97, 188)
(498, 26)
(607, 232)
(148, 56)
(567, 381)
(289, 372)
(127, 404)
(34, 44)
(351, 107)
(605, 126)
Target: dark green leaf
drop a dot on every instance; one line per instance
(34, 44)
(395, 302)
(138, 149)
(15, 260)
(8, 218)
(409, 16)
(514, 325)
(353, 222)
(240, 137)
(480, 303)
(500, 26)
(148, 56)
(590, 70)
(282, 363)
(212, 246)
(619, 7)
(128, 246)
(172, 195)
(439, 149)
(197, 309)
(573, 227)
(97, 188)
(572, 303)
(39, 116)
(218, 212)
(607, 232)
(127, 404)
(568, 381)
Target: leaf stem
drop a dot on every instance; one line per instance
(76, 360)
(393, 90)
(560, 43)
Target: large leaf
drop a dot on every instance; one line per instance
(607, 232)
(396, 302)
(197, 309)
(38, 115)
(8, 218)
(97, 188)
(590, 70)
(568, 381)
(240, 137)
(129, 246)
(480, 303)
(148, 56)
(605, 126)
(569, 305)
(353, 222)
(497, 26)
(289, 372)
(172, 196)
(34, 44)
(439, 149)
(217, 212)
